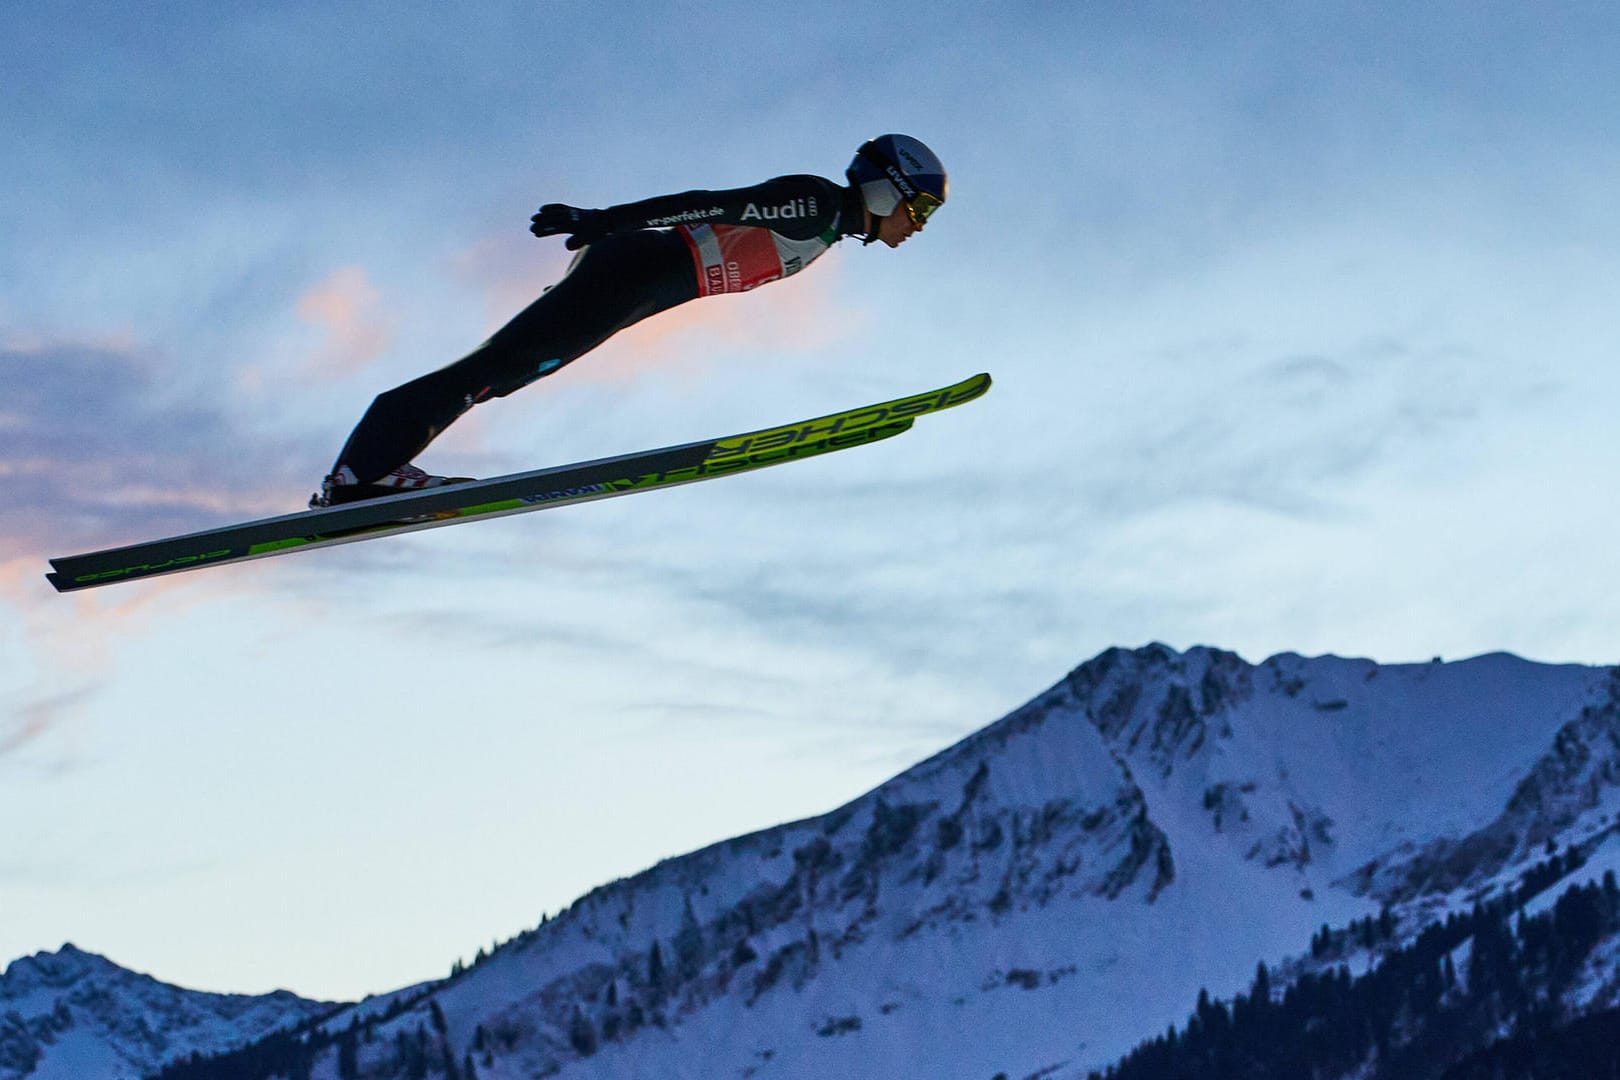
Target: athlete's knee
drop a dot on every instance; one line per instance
(434, 400)
(531, 372)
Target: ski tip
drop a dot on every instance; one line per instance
(969, 389)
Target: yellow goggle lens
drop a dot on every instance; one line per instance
(920, 208)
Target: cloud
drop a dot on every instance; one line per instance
(96, 450)
(30, 721)
(1296, 434)
(510, 269)
(347, 307)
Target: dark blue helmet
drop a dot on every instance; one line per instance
(894, 169)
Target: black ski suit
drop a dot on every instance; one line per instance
(658, 253)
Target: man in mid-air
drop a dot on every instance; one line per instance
(636, 260)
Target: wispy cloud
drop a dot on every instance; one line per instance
(32, 719)
(94, 450)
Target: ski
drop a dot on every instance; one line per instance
(517, 493)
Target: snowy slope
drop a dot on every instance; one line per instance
(1038, 898)
(1052, 889)
(73, 1015)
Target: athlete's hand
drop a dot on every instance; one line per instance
(580, 226)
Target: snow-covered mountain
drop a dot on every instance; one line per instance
(73, 1015)
(1042, 896)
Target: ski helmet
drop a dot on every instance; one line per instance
(892, 169)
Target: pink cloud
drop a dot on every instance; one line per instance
(72, 640)
(348, 307)
(509, 271)
(801, 314)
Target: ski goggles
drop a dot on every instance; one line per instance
(920, 207)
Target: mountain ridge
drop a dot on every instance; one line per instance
(75, 1015)
(1154, 824)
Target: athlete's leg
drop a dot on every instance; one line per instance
(612, 284)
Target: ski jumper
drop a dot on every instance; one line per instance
(658, 253)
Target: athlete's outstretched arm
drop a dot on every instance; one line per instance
(798, 207)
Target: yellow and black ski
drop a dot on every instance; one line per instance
(515, 494)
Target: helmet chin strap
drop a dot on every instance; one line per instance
(869, 222)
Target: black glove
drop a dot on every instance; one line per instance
(580, 226)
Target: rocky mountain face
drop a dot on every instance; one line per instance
(1040, 897)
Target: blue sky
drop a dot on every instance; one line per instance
(1301, 316)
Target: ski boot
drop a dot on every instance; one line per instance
(342, 487)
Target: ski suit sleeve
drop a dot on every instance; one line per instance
(798, 207)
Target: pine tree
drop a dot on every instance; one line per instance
(582, 1033)
(689, 944)
(655, 968)
(348, 1056)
